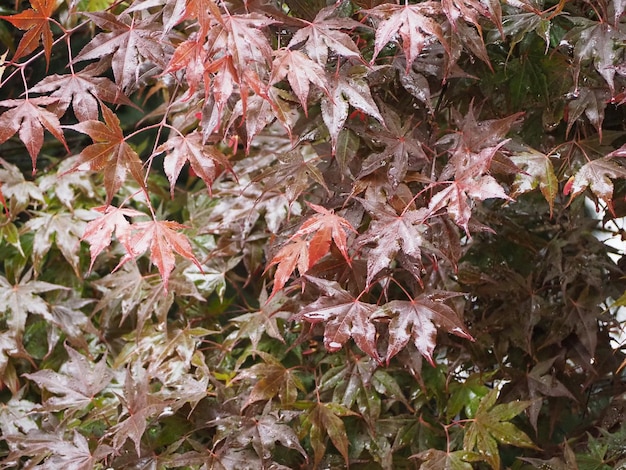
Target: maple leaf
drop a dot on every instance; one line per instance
(109, 153)
(136, 47)
(300, 72)
(392, 234)
(595, 175)
(265, 432)
(322, 420)
(36, 22)
(64, 228)
(76, 384)
(543, 383)
(355, 383)
(344, 317)
(174, 12)
(325, 225)
(75, 454)
(66, 315)
(537, 170)
(434, 459)
(205, 160)
(471, 11)
(294, 171)
(473, 149)
(21, 193)
(415, 24)
(491, 425)
(417, 319)
(140, 405)
(295, 253)
(63, 184)
(57, 450)
(345, 89)
(591, 102)
(212, 277)
(272, 379)
(261, 109)
(162, 238)
(469, 184)
(190, 55)
(324, 34)
(403, 150)
(98, 232)
(28, 118)
(597, 43)
(249, 47)
(17, 301)
(82, 90)
(252, 325)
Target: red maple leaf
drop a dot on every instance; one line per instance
(394, 235)
(28, 118)
(36, 22)
(162, 238)
(596, 175)
(469, 184)
(346, 88)
(136, 47)
(403, 148)
(471, 11)
(140, 405)
(291, 255)
(99, 231)
(83, 90)
(344, 317)
(416, 25)
(205, 160)
(190, 56)
(324, 34)
(109, 152)
(473, 148)
(326, 225)
(300, 72)
(417, 319)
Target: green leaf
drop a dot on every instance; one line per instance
(434, 459)
(490, 426)
(323, 421)
(537, 170)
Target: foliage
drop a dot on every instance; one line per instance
(232, 231)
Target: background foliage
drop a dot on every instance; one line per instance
(286, 234)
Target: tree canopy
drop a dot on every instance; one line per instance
(244, 234)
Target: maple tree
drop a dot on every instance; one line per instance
(312, 234)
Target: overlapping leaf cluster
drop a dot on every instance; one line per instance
(232, 231)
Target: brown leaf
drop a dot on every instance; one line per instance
(36, 22)
(205, 160)
(82, 90)
(391, 234)
(416, 25)
(417, 320)
(76, 384)
(324, 34)
(140, 405)
(136, 47)
(109, 153)
(300, 72)
(596, 175)
(344, 317)
(28, 118)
